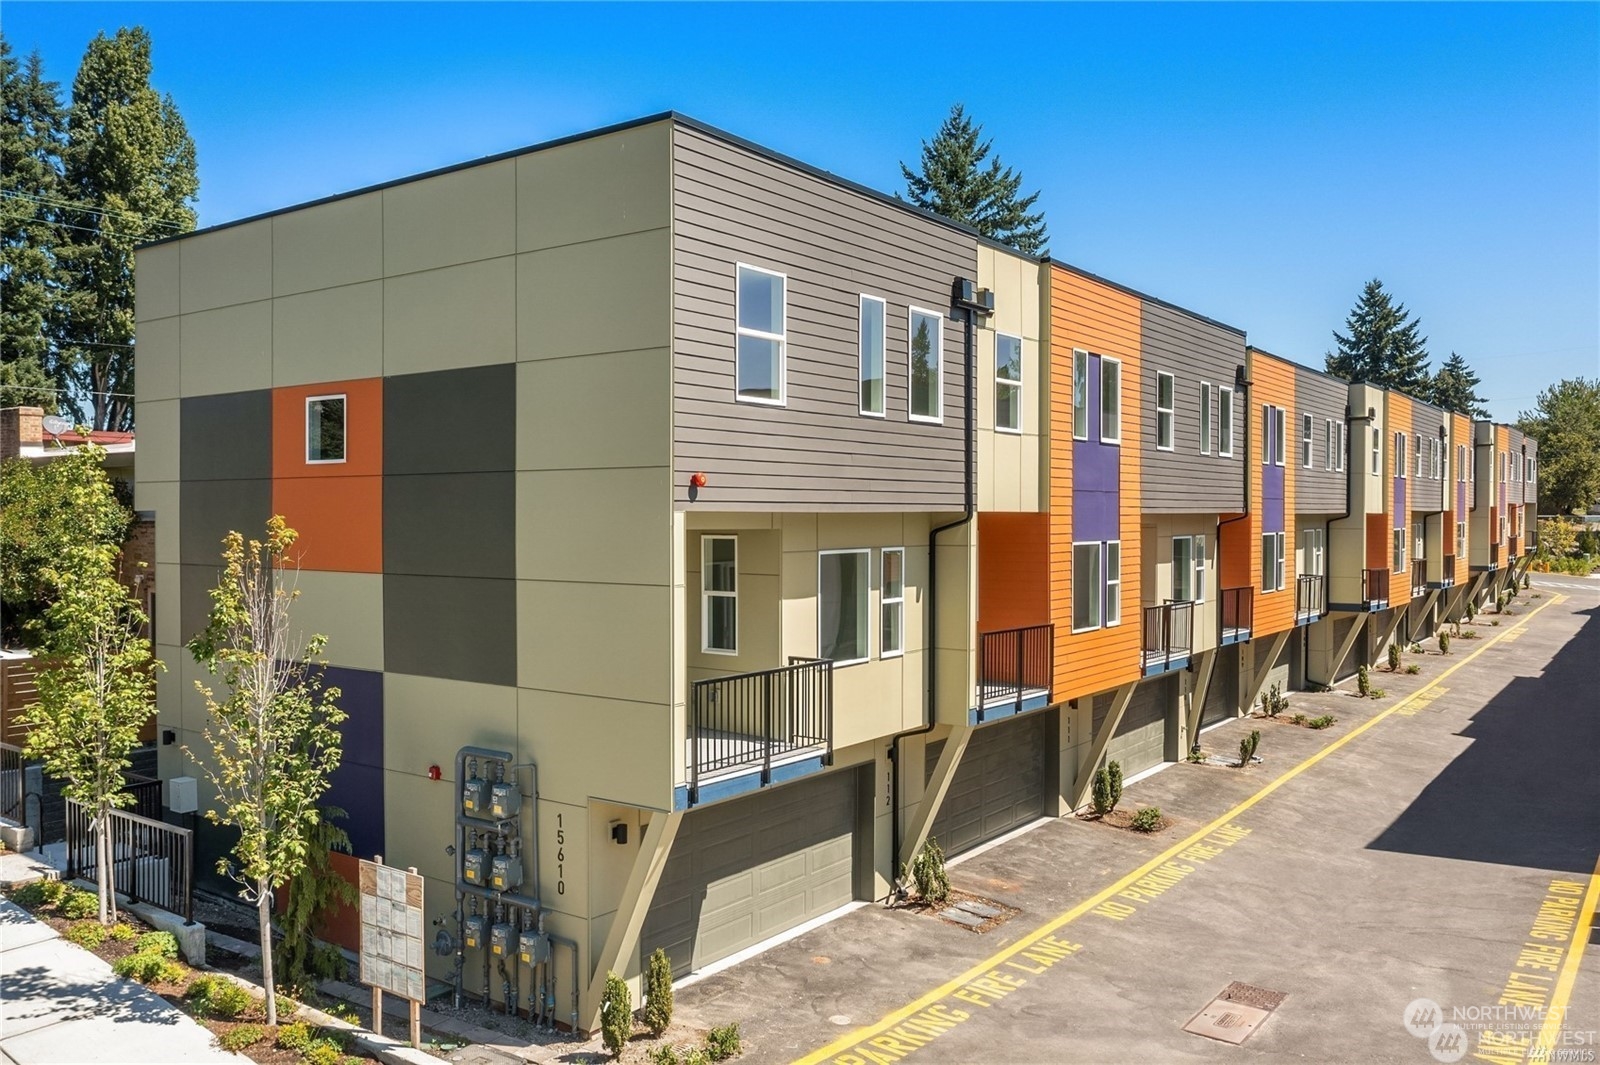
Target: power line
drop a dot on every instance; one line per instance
(15, 387)
(87, 209)
(66, 344)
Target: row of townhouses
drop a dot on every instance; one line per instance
(754, 527)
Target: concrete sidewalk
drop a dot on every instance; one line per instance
(61, 1005)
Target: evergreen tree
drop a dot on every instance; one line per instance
(30, 204)
(953, 182)
(129, 169)
(1567, 425)
(1382, 347)
(1455, 388)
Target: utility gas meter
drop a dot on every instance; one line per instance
(505, 799)
(472, 930)
(475, 866)
(500, 938)
(505, 872)
(475, 797)
(533, 948)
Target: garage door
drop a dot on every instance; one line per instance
(1140, 742)
(746, 869)
(1222, 694)
(998, 786)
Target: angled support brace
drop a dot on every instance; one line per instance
(1259, 680)
(623, 938)
(1204, 670)
(1102, 739)
(944, 771)
(1344, 648)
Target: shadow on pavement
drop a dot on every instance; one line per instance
(1526, 792)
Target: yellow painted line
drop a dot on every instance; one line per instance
(1557, 1013)
(844, 1043)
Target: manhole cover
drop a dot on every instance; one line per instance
(1229, 1022)
(1251, 995)
(840, 1019)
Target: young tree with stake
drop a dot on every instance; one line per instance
(274, 736)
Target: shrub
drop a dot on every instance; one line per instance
(299, 960)
(1394, 656)
(141, 966)
(76, 905)
(40, 893)
(1274, 702)
(296, 1036)
(1106, 791)
(1147, 819)
(696, 1056)
(323, 1052)
(1416, 648)
(214, 996)
(1472, 610)
(87, 934)
(1527, 582)
(162, 943)
(1322, 722)
(658, 993)
(663, 1054)
(927, 869)
(1196, 755)
(616, 1015)
(1298, 719)
(1247, 747)
(1364, 682)
(1114, 771)
(722, 1042)
(246, 1035)
(122, 933)
(1413, 669)
(1495, 622)
(1469, 634)
(1444, 643)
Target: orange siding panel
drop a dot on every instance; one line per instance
(1013, 570)
(1272, 382)
(336, 507)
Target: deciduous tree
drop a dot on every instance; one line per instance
(952, 181)
(1566, 423)
(274, 733)
(1382, 345)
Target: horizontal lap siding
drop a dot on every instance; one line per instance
(1461, 433)
(1398, 420)
(817, 452)
(1427, 495)
(1013, 571)
(1184, 481)
(1094, 317)
(1319, 490)
(1272, 381)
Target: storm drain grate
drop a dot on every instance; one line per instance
(976, 914)
(1236, 1013)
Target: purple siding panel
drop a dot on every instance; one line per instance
(357, 785)
(1461, 502)
(1399, 503)
(1272, 499)
(1096, 475)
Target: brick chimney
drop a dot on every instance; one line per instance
(20, 427)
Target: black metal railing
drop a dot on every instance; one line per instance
(1515, 548)
(1419, 576)
(1013, 663)
(751, 718)
(151, 861)
(1310, 596)
(13, 784)
(1375, 585)
(146, 792)
(1447, 575)
(1168, 633)
(1494, 556)
(1238, 609)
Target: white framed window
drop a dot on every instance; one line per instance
(1308, 430)
(843, 623)
(762, 324)
(1400, 455)
(1311, 543)
(1330, 444)
(1182, 569)
(1377, 453)
(1007, 383)
(1199, 569)
(1205, 418)
(1441, 462)
(872, 345)
(1280, 436)
(325, 429)
(1225, 422)
(1266, 434)
(1113, 612)
(1344, 446)
(1461, 462)
(925, 361)
(1080, 395)
(1399, 550)
(1521, 515)
(1461, 539)
(1088, 586)
(1166, 386)
(1418, 541)
(892, 604)
(719, 595)
(1110, 400)
(1272, 562)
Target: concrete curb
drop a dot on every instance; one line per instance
(191, 937)
(391, 1051)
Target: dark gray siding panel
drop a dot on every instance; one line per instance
(1427, 494)
(427, 517)
(225, 437)
(450, 421)
(1513, 486)
(458, 628)
(209, 510)
(818, 452)
(1320, 490)
(1184, 481)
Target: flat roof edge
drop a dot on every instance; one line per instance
(1131, 291)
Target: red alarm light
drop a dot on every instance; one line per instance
(433, 772)
(697, 480)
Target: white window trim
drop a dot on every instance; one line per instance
(1101, 589)
(1104, 439)
(1283, 562)
(1006, 382)
(1080, 358)
(885, 599)
(1344, 446)
(328, 462)
(1206, 421)
(936, 418)
(1266, 434)
(1199, 551)
(707, 594)
(1280, 436)
(1225, 444)
(1398, 550)
(837, 662)
(782, 339)
(1329, 444)
(1308, 442)
(1170, 412)
(883, 346)
(1108, 619)
(1175, 569)
(1400, 455)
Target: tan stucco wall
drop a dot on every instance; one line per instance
(1010, 465)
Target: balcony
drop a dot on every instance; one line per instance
(1516, 547)
(1238, 614)
(1168, 636)
(1447, 573)
(1419, 577)
(1310, 598)
(772, 720)
(1375, 588)
(1016, 669)
(1494, 556)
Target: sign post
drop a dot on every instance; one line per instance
(391, 940)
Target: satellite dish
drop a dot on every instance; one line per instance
(55, 425)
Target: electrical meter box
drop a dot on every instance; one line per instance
(475, 866)
(475, 797)
(533, 948)
(472, 930)
(500, 937)
(505, 872)
(505, 799)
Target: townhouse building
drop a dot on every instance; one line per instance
(747, 528)
(1504, 506)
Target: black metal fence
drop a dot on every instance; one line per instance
(1419, 576)
(1168, 633)
(1014, 662)
(14, 785)
(1238, 609)
(751, 718)
(1310, 596)
(1375, 585)
(151, 861)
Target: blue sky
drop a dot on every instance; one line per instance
(1254, 162)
